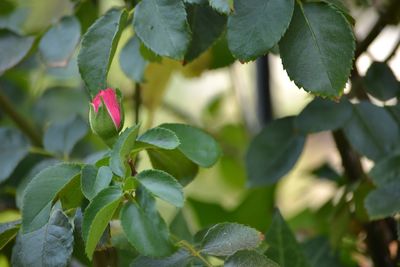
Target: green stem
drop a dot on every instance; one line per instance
(23, 124)
(194, 252)
(40, 151)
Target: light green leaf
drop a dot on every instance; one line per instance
(13, 48)
(144, 232)
(381, 82)
(273, 152)
(283, 246)
(323, 115)
(98, 48)
(121, 150)
(245, 258)
(256, 26)
(8, 231)
(206, 26)
(179, 259)
(222, 6)
(383, 201)
(13, 148)
(159, 138)
(162, 27)
(95, 180)
(50, 245)
(41, 193)
(162, 185)
(372, 131)
(196, 145)
(312, 60)
(97, 216)
(225, 239)
(59, 42)
(132, 63)
(61, 137)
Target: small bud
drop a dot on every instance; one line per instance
(106, 115)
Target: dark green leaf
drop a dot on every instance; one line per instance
(13, 148)
(6, 7)
(181, 258)
(323, 115)
(50, 245)
(325, 171)
(386, 170)
(222, 6)
(312, 60)
(97, 216)
(95, 180)
(71, 195)
(273, 152)
(162, 185)
(226, 238)
(197, 145)
(42, 191)
(319, 253)
(246, 258)
(121, 150)
(175, 163)
(283, 247)
(162, 27)
(221, 56)
(98, 47)
(132, 63)
(146, 234)
(8, 231)
(383, 201)
(59, 42)
(381, 82)
(159, 138)
(13, 49)
(257, 25)
(180, 228)
(206, 26)
(61, 137)
(372, 131)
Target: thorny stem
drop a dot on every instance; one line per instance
(23, 124)
(194, 252)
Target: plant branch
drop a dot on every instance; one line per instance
(22, 123)
(194, 252)
(137, 101)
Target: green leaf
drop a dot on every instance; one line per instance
(257, 25)
(162, 27)
(13, 48)
(162, 185)
(383, 201)
(145, 232)
(198, 2)
(61, 137)
(312, 60)
(180, 258)
(245, 258)
(159, 138)
(59, 42)
(273, 152)
(179, 227)
(283, 246)
(386, 170)
(98, 48)
(95, 180)
(121, 150)
(97, 216)
(221, 56)
(50, 245)
(319, 253)
(323, 115)
(381, 82)
(13, 148)
(222, 6)
(8, 231)
(132, 63)
(41, 193)
(197, 145)
(71, 195)
(372, 131)
(225, 239)
(6, 7)
(206, 26)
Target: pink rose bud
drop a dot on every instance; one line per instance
(106, 115)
